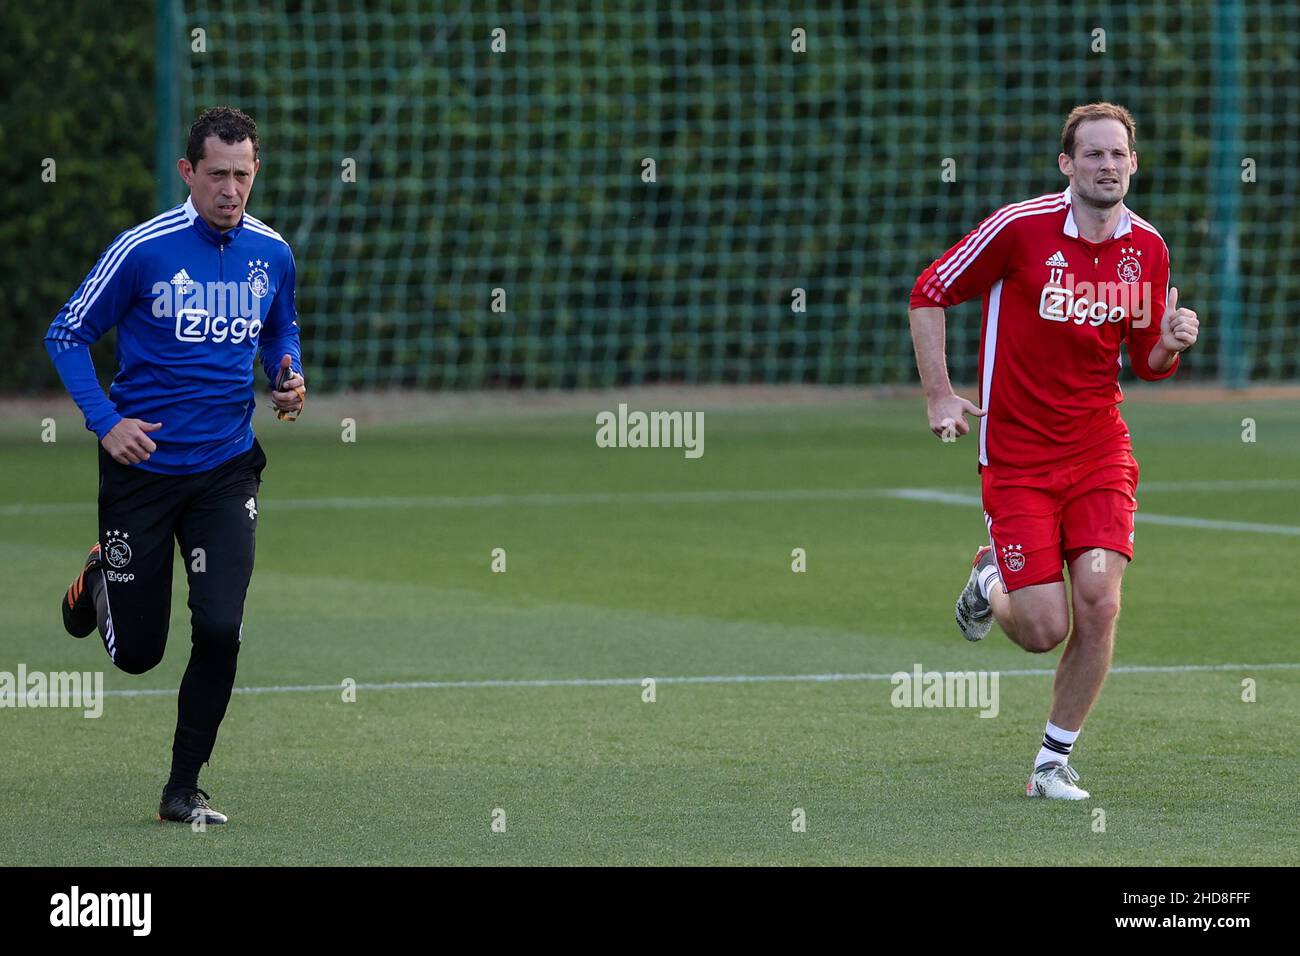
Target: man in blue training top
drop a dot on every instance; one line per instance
(196, 294)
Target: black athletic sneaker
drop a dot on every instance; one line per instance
(79, 603)
(186, 805)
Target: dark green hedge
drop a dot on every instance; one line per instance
(521, 171)
(78, 87)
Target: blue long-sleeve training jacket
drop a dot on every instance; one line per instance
(193, 308)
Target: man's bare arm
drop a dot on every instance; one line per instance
(946, 410)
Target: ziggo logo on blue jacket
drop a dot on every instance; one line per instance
(202, 310)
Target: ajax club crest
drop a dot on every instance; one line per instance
(1013, 558)
(116, 551)
(1130, 268)
(259, 283)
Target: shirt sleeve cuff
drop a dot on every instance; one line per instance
(102, 426)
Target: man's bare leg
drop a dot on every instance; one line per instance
(1095, 579)
(1037, 617)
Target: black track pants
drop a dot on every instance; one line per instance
(213, 516)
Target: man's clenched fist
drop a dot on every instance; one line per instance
(128, 441)
(947, 414)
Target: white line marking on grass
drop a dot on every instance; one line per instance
(1250, 484)
(933, 495)
(498, 501)
(475, 501)
(1179, 521)
(39, 510)
(1212, 525)
(704, 679)
(936, 496)
(814, 494)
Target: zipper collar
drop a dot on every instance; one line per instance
(211, 235)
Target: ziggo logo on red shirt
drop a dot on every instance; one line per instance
(1096, 303)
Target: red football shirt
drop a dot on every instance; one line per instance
(1056, 308)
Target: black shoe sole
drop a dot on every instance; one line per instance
(212, 823)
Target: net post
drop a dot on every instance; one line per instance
(1225, 152)
(165, 102)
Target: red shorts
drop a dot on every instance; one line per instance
(1038, 521)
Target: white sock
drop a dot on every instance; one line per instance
(1057, 744)
(986, 577)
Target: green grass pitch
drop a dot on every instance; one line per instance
(368, 569)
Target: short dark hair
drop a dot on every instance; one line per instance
(1096, 111)
(231, 125)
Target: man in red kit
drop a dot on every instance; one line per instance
(1065, 279)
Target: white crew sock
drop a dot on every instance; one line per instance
(986, 579)
(1057, 744)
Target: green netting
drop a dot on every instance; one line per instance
(776, 170)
